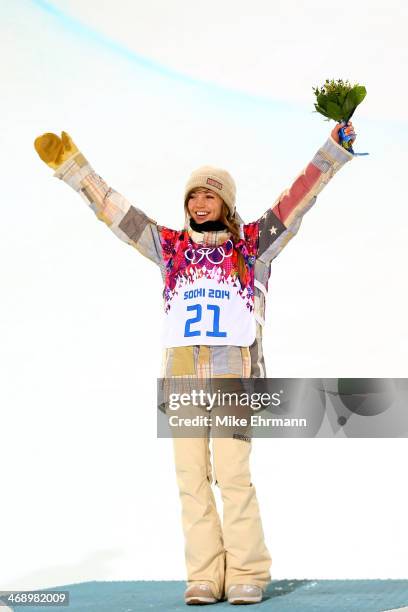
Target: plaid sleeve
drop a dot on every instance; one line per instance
(129, 223)
(281, 222)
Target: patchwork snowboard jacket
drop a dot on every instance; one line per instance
(261, 241)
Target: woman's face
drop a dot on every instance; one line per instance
(204, 205)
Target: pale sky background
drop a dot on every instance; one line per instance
(149, 91)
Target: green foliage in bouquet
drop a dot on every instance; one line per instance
(338, 99)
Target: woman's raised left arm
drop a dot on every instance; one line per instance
(281, 222)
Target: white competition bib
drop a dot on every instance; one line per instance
(208, 311)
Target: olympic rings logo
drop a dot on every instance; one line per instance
(191, 254)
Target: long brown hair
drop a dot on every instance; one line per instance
(232, 226)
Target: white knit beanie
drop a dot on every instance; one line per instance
(217, 180)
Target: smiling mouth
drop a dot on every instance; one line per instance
(201, 214)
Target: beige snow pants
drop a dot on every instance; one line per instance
(234, 553)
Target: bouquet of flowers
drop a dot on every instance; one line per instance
(338, 100)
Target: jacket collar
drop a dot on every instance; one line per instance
(212, 239)
(209, 238)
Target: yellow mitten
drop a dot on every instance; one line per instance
(54, 150)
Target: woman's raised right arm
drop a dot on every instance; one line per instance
(129, 223)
